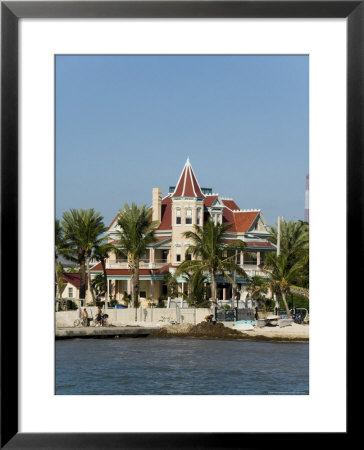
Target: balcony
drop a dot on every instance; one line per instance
(144, 263)
(253, 270)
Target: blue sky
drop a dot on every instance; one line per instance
(126, 124)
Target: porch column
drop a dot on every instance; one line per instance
(258, 258)
(151, 255)
(129, 286)
(224, 293)
(241, 258)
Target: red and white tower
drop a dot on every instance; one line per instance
(307, 209)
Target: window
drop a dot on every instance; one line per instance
(250, 258)
(198, 216)
(262, 257)
(188, 258)
(178, 216)
(178, 254)
(188, 216)
(70, 292)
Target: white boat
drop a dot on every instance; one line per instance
(261, 323)
(285, 322)
(244, 325)
(272, 320)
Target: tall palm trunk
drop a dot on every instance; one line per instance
(285, 304)
(105, 282)
(134, 278)
(213, 289)
(59, 278)
(82, 281)
(89, 287)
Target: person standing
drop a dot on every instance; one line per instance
(99, 316)
(84, 318)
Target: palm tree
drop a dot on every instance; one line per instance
(196, 282)
(172, 284)
(98, 283)
(282, 276)
(294, 239)
(257, 287)
(60, 250)
(82, 229)
(294, 243)
(59, 278)
(136, 234)
(101, 253)
(210, 251)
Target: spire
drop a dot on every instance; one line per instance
(187, 185)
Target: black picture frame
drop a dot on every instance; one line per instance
(11, 12)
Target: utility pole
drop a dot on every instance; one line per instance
(278, 253)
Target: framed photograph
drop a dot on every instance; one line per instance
(99, 96)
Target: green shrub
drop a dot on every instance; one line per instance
(225, 306)
(71, 305)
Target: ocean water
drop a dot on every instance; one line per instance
(176, 366)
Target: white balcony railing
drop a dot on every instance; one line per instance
(143, 264)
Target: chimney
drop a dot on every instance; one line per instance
(157, 204)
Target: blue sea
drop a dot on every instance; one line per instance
(180, 366)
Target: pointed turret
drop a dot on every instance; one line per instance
(187, 185)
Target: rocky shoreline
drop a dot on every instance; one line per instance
(205, 330)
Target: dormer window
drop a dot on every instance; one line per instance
(217, 218)
(189, 216)
(178, 216)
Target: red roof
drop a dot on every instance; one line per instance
(228, 217)
(209, 200)
(166, 222)
(230, 204)
(97, 267)
(187, 185)
(244, 219)
(73, 278)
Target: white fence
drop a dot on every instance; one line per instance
(121, 317)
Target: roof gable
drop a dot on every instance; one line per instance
(73, 278)
(187, 185)
(244, 220)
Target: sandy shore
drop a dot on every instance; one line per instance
(294, 331)
(290, 333)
